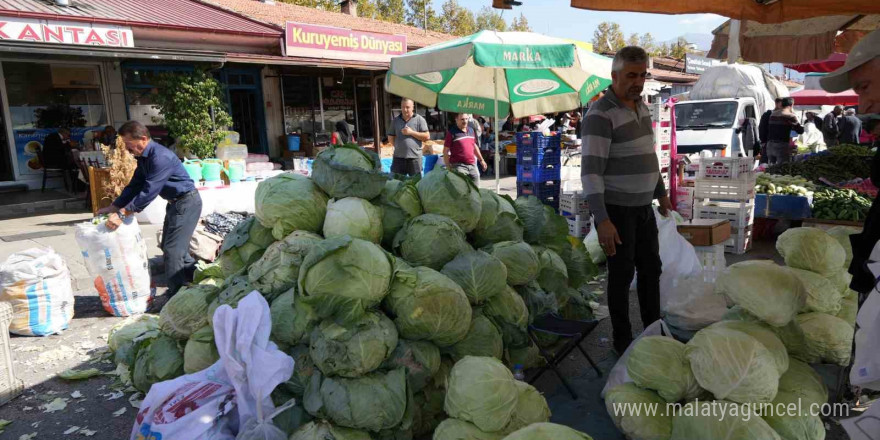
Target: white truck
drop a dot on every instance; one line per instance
(715, 109)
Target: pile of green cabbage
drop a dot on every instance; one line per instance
(404, 303)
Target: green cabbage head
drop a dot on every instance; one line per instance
(849, 309)
(200, 351)
(543, 226)
(481, 275)
(373, 402)
(840, 280)
(186, 311)
(349, 171)
(829, 338)
(811, 249)
(483, 339)
(453, 195)
(123, 337)
(791, 334)
(498, 220)
(763, 334)
(290, 202)
(547, 431)
(509, 313)
(421, 359)
(454, 429)
(771, 292)
(241, 247)
(804, 382)
(697, 421)
(841, 234)
(794, 427)
(157, 360)
(303, 370)
(520, 259)
(481, 391)
(638, 426)
(822, 294)
(343, 277)
(426, 305)
(531, 407)
(234, 290)
(733, 365)
(278, 269)
(400, 203)
(553, 273)
(581, 269)
(292, 319)
(354, 350)
(430, 240)
(355, 217)
(538, 301)
(659, 363)
(322, 430)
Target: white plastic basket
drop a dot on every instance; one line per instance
(734, 190)
(740, 241)
(574, 203)
(740, 214)
(578, 227)
(713, 261)
(10, 387)
(727, 168)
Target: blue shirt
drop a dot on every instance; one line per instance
(159, 173)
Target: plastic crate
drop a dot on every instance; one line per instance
(727, 168)
(536, 139)
(540, 189)
(536, 149)
(578, 227)
(735, 190)
(789, 207)
(573, 204)
(740, 214)
(713, 261)
(664, 162)
(538, 173)
(10, 387)
(740, 241)
(663, 135)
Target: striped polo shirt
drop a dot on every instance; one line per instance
(619, 165)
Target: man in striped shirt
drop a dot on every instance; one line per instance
(621, 179)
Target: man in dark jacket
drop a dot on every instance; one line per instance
(831, 126)
(763, 129)
(861, 72)
(782, 123)
(850, 128)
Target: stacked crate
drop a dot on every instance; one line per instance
(538, 167)
(661, 120)
(725, 189)
(573, 206)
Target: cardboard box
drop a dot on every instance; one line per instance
(705, 232)
(287, 154)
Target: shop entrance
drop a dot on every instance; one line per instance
(7, 172)
(245, 97)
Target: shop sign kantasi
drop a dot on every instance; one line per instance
(64, 32)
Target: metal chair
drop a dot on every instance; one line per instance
(574, 331)
(46, 170)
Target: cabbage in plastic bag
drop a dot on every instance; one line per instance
(765, 336)
(547, 431)
(292, 319)
(349, 171)
(520, 259)
(481, 391)
(157, 360)
(290, 202)
(343, 277)
(427, 305)
(659, 363)
(262, 427)
(771, 292)
(186, 311)
(498, 220)
(430, 240)
(451, 194)
(811, 249)
(733, 366)
(352, 351)
(354, 217)
(531, 407)
(829, 338)
(638, 425)
(482, 339)
(200, 351)
(822, 294)
(479, 274)
(278, 269)
(509, 313)
(700, 421)
(421, 359)
(373, 402)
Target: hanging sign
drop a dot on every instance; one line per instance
(305, 40)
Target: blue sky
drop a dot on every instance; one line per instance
(559, 19)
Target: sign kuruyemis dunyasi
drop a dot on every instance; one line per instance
(306, 40)
(31, 30)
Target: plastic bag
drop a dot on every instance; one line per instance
(37, 284)
(865, 371)
(618, 374)
(677, 254)
(231, 394)
(118, 262)
(692, 304)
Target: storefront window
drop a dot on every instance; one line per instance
(339, 103)
(44, 97)
(300, 100)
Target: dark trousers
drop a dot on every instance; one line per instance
(406, 166)
(181, 218)
(640, 252)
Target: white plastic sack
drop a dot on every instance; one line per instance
(865, 426)
(692, 304)
(865, 371)
(618, 375)
(677, 255)
(37, 284)
(738, 81)
(117, 260)
(231, 394)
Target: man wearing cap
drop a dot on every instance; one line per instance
(861, 72)
(850, 128)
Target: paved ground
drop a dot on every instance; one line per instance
(51, 407)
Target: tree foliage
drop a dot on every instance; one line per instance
(680, 48)
(489, 20)
(391, 10)
(608, 38)
(520, 24)
(456, 19)
(186, 101)
(633, 40)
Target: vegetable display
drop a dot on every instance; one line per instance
(840, 204)
(840, 163)
(784, 185)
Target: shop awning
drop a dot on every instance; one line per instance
(830, 64)
(111, 52)
(821, 97)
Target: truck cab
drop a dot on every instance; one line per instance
(713, 125)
